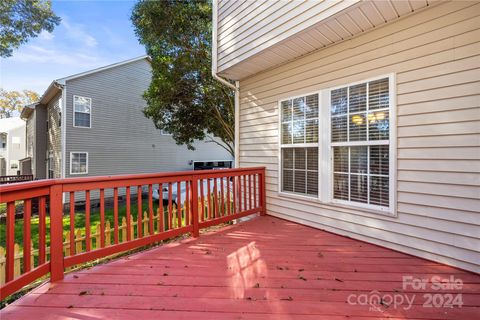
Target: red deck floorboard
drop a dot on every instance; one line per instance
(263, 268)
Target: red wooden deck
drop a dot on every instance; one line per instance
(263, 268)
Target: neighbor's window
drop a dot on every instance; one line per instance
(3, 141)
(78, 162)
(360, 128)
(50, 165)
(14, 164)
(82, 111)
(299, 145)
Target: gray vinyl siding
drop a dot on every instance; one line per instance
(121, 139)
(36, 141)
(434, 55)
(54, 134)
(40, 142)
(30, 136)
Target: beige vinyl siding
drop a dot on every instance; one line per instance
(54, 135)
(435, 56)
(254, 36)
(248, 27)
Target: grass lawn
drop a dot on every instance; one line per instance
(79, 222)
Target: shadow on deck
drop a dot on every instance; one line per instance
(263, 268)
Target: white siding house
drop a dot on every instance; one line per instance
(12, 145)
(365, 114)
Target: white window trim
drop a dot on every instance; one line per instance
(298, 145)
(73, 107)
(325, 155)
(71, 157)
(14, 162)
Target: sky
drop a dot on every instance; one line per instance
(91, 34)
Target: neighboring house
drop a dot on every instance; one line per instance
(365, 114)
(12, 145)
(92, 124)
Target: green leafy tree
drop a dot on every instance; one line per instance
(23, 19)
(183, 98)
(12, 102)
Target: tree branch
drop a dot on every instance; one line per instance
(225, 146)
(226, 126)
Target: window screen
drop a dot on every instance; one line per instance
(82, 109)
(299, 140)
(360, 141)
(79, 162)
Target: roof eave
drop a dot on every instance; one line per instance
(62, 81)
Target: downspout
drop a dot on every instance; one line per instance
(235, 87)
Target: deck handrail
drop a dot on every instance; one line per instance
(187, 201)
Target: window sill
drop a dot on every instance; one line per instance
(334, 204)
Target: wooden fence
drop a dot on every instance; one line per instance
(80, 238)
(219, 196)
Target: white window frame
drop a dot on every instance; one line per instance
(325, 152)
(90, 114)
(71, 162)
(14, 162)
(281, 146)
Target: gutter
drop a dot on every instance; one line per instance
(235, 87)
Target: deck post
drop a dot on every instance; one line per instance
(56, 233)
(262, 193)
(196, 231)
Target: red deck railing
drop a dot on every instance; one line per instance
(186, 201)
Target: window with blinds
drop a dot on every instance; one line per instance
(299, 145)
(360, 127)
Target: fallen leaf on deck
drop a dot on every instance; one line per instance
(302, 278)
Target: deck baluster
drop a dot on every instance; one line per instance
(115, 215)
(27, 249)
(128, 213)
(139, 212)
(88, 246)
(72, 223)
